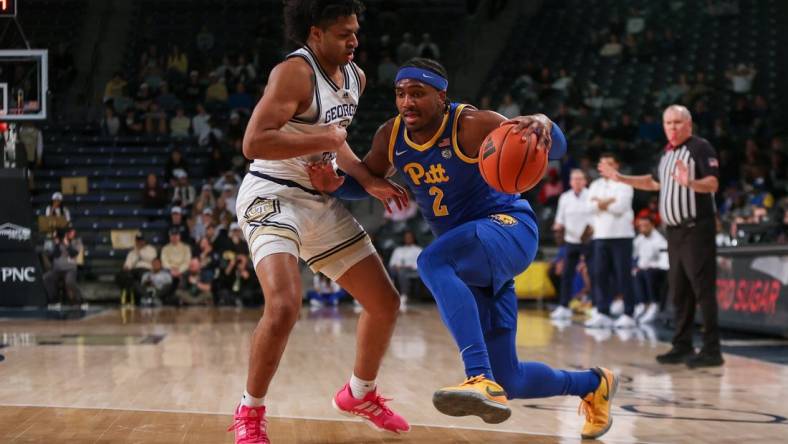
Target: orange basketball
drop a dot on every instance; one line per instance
(510, 165)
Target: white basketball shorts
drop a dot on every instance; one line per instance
(286, 218)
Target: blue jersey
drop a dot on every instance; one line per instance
(447, 184)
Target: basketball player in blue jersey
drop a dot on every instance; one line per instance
(309, 100)
(484, 239)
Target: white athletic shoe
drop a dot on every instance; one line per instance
(639, 309)
(617, 307)
(561, 312)
(599, 321)
(625, 321)
(650, 314)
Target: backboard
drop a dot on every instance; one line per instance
(24, 84)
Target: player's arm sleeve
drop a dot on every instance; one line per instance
(558, 148)
(706, 161)
(350, 189)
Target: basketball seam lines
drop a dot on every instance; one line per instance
(522, 167)
(500, 155)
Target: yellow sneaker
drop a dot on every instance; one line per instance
(476, 396)
(596, 405)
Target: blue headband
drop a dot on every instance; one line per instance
(422, 75)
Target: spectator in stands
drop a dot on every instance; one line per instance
(741, 118)
(166, 100)
(612, 251)
(741, 78)
(508, 108)
(650, 130)
(115, 87)
(562, 84)
(551, 189)
(222, 215)
(174, 162)
(205, 200)
(180, 124)
(143, 98)
(651, 212)
(237, 284)
(427, 48)
(650, 249)
(625, 131)
(56, 207)
(138, 261)
(778, 172)
(175, 256)
(244, 70)
(403, 265)
(699, 89)
(200, 121)
(228, 195)
(155, 120)
(636, 23)
(194, 286)
(33, 142)
(672, 93)
(63, 252)
(211, 135)
(237, 242)
(235, 130)
(224, 71)
(324, 291)
(229, 177)
(240, 101)
(406, 50)
(612, 48)
(387, 70)
(153, 194)
(110, 124)
(194, 91)
(216, 93)
(204, 40)
(573, 224)
(209, 258)
(183, 193)
(132, 125)
(177, 63)
(669, 44)
(202, 222)
(178, 223)
(155, 284)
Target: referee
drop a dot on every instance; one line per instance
(687, 178)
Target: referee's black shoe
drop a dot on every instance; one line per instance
(676, 356)
(705, 359)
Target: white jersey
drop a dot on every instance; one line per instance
(331, 104)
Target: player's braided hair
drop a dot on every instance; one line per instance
(300, 15)
(430, 65)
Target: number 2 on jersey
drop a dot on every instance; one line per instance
(437, 208)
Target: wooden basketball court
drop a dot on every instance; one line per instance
(174, 376)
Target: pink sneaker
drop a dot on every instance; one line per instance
(250, 425)
(372, 409)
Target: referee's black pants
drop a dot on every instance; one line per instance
(692, 280)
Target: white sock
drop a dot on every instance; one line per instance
(250, 401)
(359, 387)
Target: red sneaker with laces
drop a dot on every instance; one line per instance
(250, 425)
(372, 409)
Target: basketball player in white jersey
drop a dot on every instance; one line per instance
(309, 100)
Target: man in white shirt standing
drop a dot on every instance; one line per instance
(573, 217)
(651, 252)
(611, 203)
(403, 265)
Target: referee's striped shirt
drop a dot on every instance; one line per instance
(679, 204)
